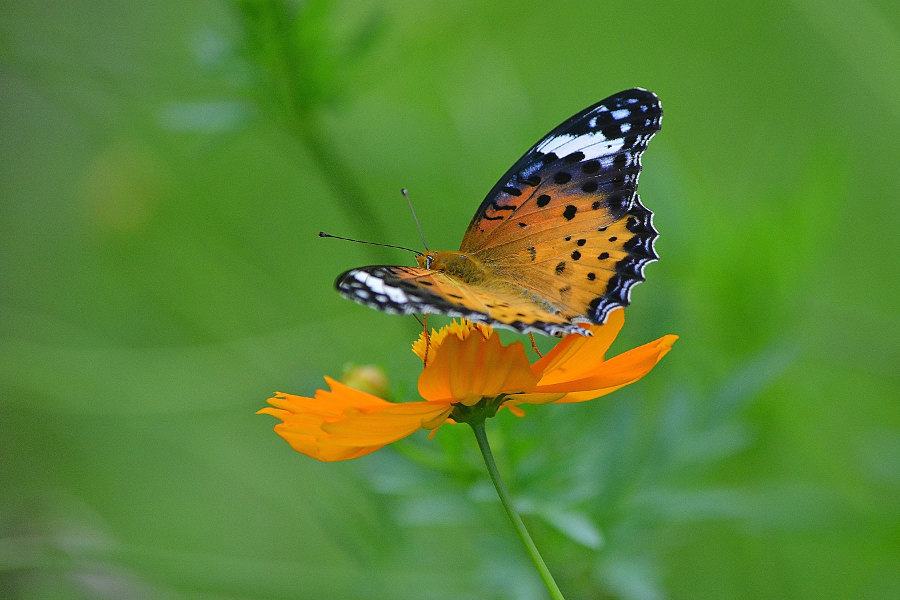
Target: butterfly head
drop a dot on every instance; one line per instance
(426, 260)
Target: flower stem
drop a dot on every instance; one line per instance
(518, 525)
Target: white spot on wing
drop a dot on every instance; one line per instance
(620, 114)
(593, 145)
(530, 170)
(379, 287)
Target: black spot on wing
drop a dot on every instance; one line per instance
(590, 167)
(561, 177)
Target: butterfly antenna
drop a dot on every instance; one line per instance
(337, 237)
(415, 218)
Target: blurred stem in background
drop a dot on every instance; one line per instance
(301, 66)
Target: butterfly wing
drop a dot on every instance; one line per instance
(565, 221)
(408, 290)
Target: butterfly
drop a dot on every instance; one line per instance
(559, 240)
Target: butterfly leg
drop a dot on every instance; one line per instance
(427, 339)
(424, 323)
(534, 345)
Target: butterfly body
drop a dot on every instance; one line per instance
(456, 264)
(560, 240)
(491, 277)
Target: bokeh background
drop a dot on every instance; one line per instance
(164, 170)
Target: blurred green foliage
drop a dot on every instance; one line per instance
(164, 168)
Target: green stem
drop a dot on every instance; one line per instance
(518, 525)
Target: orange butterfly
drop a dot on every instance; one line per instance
(561, 239)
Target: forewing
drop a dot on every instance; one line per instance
(408, 290)
(573, 197)
(596, 152)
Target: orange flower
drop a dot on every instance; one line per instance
(468, 376)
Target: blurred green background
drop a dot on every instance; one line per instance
(164, 169)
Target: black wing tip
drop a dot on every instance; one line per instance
(649, 103)
(636, 92)
(340, 281)
(377, 287)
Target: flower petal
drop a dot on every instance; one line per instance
(614, 373)
(385, 425)
(577, 356)
(303, 441)
(462, 329)
(325, 402)
(345, 423)
(465, 371)
(534, 398)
